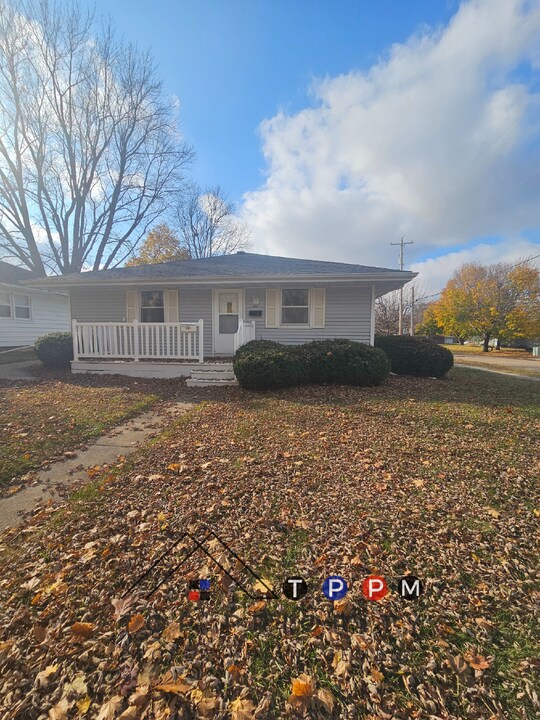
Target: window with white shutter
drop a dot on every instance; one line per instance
(132, 306)
(171, 306)
(318, 307)
(272, 302)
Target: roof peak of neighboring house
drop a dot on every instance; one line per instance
(13, 274)
(238, 265)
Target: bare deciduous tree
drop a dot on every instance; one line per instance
(90, 154)
(207, 224)
(387, 310)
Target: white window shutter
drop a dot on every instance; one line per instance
(170, 301)
(132, 305)
(272, 308)
(318, 307)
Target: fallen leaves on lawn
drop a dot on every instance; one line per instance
(311, 482)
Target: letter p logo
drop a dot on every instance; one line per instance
(335, 587)
(374, 587)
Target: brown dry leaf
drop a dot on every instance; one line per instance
(172, 632)
(60, 710)
(40, 633)
(83, 630)
(242, 709)
(208, 706)
(109, 709)
(121, 606)
(235, 671)
(130, 713)
(42, 677)
(179, 687)
(303, 686)
(377, 675)
(477, 662)
(343, 606)
(483, 622)
(493, 512)
(418, 483)
(83, 705)
(257, 607)
(327, 700)
(357, 641)
(136, 623)
(263, 586)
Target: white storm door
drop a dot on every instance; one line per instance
(227, 312)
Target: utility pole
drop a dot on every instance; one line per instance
(401, 243)
(412, 310)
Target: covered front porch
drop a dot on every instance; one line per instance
(144, 349)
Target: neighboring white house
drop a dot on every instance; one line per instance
(198, 310)
(27, 313)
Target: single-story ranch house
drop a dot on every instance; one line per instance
(27, 313)
(201, 310)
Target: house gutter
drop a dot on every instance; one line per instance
(404, 275)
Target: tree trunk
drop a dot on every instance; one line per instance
(485, 348)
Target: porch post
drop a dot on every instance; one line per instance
(75, 339)
(136, 340)
(201, 342)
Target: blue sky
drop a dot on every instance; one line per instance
(234, 63)
(336, 126)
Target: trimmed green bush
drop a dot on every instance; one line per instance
(55, 350)
(415, 355)
(266, 364)
(262, 364)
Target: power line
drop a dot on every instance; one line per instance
(401, 243)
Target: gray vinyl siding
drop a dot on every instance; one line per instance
(49, 313)
(196, 304)
(348, 315)
(348, 311)
(108, 304)
(103, 304)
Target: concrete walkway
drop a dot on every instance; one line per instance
(491, 359)
(51, 484)
(498, 372)
(23, 370)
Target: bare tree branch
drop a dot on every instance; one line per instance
(90, 154)
(207, 224)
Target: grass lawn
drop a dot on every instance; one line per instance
(532, 371)
(477, 350)
(40, 421)
(434, 478)
(20, 355)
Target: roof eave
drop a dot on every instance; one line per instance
(60, 281)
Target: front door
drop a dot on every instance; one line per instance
(227, 311)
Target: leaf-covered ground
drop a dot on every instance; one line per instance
(434, 478)
(40, 421)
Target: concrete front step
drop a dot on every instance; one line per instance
(213, 375)
(201, 382)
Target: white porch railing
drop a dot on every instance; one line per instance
(138, 341)
(245, 333)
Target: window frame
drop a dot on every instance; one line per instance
(308, 307)
(8, 304)
(26, 307)
(13, 306)
(151, 307)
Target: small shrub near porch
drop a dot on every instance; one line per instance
(416, 356)
(262, 364)
(55, 350)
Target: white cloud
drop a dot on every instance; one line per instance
(433, 140)
(435, 272)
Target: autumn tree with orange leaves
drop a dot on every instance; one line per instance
(499, 300)
(160, 245)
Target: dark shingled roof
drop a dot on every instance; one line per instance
(13, 275)
(241, 264)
